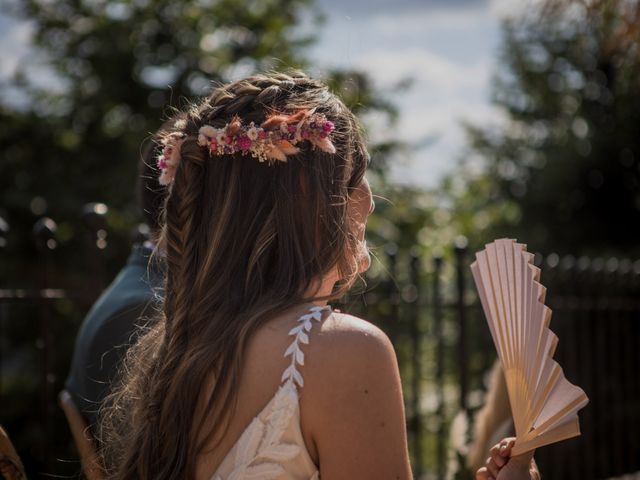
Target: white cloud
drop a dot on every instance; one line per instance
(510, 8)
(430, 70)
(425, 20)
(447, 50)
(438, 117)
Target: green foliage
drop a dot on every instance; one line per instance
(563, 172)
(112, 70)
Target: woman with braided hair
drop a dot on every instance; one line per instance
(248, 373)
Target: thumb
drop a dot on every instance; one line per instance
(523, 460)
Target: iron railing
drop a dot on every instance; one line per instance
(429, 309)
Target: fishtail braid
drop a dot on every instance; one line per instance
(181, 218)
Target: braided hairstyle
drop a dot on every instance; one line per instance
(244, 241)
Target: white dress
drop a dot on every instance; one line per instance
(272, 446)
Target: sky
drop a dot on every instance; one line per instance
(447, 48)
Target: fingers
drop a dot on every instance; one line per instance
(492, 467)
(498, 458)
(506, 445)
(482, 474)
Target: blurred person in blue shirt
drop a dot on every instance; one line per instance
(110, 326)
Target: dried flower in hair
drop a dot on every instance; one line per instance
(272, 141)
(169, 157)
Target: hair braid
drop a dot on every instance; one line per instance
(181, 218)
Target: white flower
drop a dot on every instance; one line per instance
(180, 124)
(202, 140)
(252, 133)
(220, 138)
(208, 131)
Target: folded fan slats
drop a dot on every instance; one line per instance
(544, 403)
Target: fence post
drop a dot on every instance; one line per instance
(44, 233)
(391, 249)
(416, 359)
(437, 331)
(4, 229)
(95, 221)
(463, 362)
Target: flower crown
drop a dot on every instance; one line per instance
(271, 141)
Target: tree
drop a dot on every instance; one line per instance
(111, 70)
(562, 173)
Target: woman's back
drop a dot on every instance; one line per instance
(266, 211)
(330, 403)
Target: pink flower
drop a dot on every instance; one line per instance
(328, 126)
(162, 163)
(305, 134)
(244, 142)
(262, 134)
(292, 128)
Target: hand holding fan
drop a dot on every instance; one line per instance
(544, 404)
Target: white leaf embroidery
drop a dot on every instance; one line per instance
(291, 349)
(295, 330)
(288, 372)
(299, 356)
(284, 408)
(281, 452)
(263, 471)
(260, 447)
(248, 446)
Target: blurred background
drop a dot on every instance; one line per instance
(485, 119)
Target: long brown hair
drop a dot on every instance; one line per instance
(244, 241)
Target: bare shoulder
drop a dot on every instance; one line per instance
(347, 353)
(352, 336)
(352, 401)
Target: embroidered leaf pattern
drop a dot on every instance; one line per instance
(284, 409)
(300, 357)
(264, 471)
(248, 446)
(260, 449)
(282, 452)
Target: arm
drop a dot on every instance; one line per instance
(356, 409)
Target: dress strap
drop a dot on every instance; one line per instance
(299, 332)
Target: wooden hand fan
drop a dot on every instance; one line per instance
(544, 404)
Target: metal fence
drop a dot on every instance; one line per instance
(429, 309)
